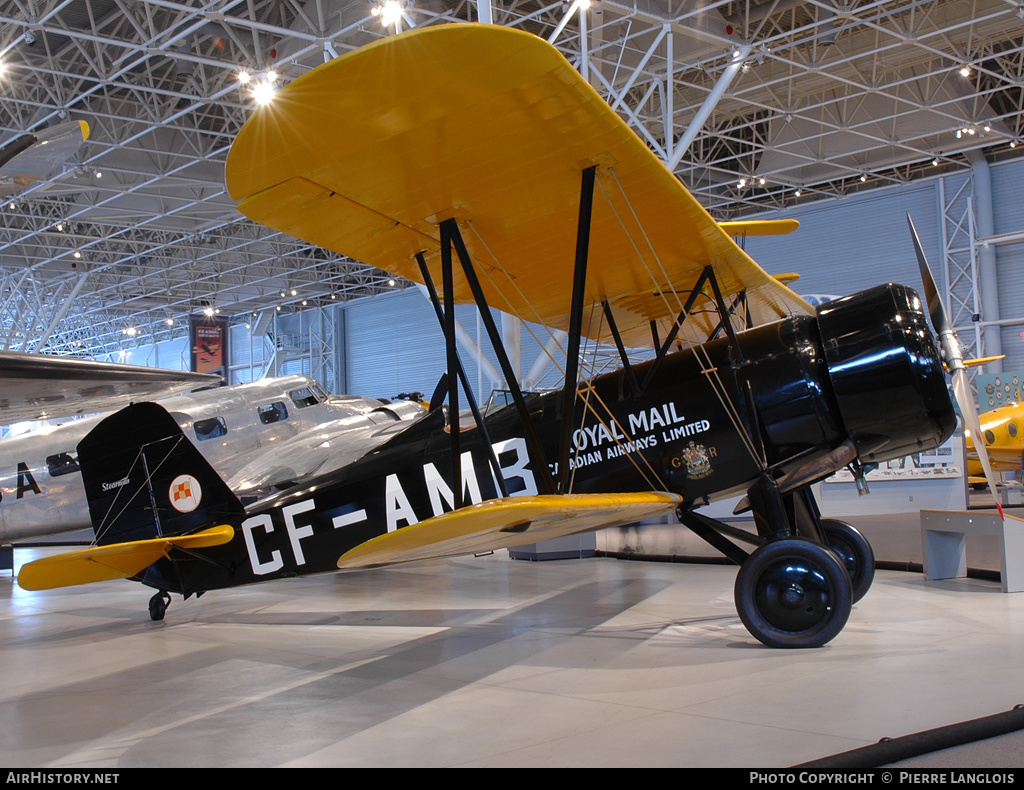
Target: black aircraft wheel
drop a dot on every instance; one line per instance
(793, 592)
(854, 552)
(158, 605)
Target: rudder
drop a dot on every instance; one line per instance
(144, 478)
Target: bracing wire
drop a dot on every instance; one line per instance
(700, 353)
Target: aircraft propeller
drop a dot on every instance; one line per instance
(949, 347)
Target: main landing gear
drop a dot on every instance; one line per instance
(793, 592)
(796, 589)
(853, 551)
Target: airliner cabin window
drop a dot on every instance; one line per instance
(272, 412)
(61, 464)
(303, 397)
(210, 429)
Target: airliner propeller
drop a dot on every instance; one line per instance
(949, 347)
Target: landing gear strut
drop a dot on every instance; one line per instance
(158, 605)
(797, 587)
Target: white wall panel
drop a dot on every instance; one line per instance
(395, 345)
(1008, 215)
(843, 246)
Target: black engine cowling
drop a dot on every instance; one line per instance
(885, 371)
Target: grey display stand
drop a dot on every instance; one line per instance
(944, 544)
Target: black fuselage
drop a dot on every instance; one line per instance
(708, 422)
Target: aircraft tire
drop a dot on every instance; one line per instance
(158, 605)
(854, 552)
(793, 592)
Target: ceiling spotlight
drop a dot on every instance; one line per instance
(59, 226)
(244, 77)
(208, 311)
(1013, 143)
(77, 254)
(965, 70)
(272, 76)
(390, 12)
(863, 178)
(169, 322)
(13, 205)
(798, 193)
(131, 331)
(761, 181)
(935, 162)
(293, 292)
(391, 282)
(742, 182)
(263, 93)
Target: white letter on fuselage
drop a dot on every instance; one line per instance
(295, 534)
(518, 468)
(438, 489)
(396, 504)
(260, 568)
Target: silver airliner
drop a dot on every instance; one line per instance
(261, 437)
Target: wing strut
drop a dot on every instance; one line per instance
(626, 364)
(572, 359)
(664, 348)
(452, 354)
(451, 236)
(740, 300)
(477, 417)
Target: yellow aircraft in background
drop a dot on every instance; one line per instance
(1003, 432)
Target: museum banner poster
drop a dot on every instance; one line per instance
(208, 336)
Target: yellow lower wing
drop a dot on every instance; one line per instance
(504, 523)
(116, 561)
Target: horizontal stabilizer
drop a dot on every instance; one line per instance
(115, 561)
(503, 523)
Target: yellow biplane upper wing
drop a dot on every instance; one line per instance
(505, 523)
(489, 125)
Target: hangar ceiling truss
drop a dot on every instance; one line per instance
(827, 97)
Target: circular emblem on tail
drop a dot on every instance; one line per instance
(185, 493)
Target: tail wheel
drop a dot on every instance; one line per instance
(793, 592)
(854, 552)
(158, 605)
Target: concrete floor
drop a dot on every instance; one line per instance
(488, 662)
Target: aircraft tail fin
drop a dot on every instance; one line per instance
(144, 479)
